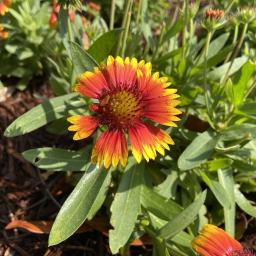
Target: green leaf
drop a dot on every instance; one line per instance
(219, 163)
(81, 59)
(158, 205)
(215, 46)
(241, 86)
(177, 27)
(244, 204)
(213, 61)
(59, 85)
(159, 248)
(226, 179)
(63, 28)
(220, 71)
(182, 238)
(42, 114)
(59, 126)
(58, 159)
(104, 45)
(102, 194)
(198, 151)
(238, 132)
(186, 217)
(78, 205)
(218, 191)
(125, 207)
(248, 108)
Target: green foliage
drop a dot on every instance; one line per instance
(82, 204)
(215, 142)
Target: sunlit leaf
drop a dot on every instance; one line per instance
(186, 217)
(125, 207)
(81, 59)
(58, 159)
(104, 45)
(198, 152)
(42, 114)
(78, 205)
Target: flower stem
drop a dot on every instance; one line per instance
(233, 42)
(139, 13)
(126, 30)
(124, 25)
(112, 14)
(239, 45)
(206, 87)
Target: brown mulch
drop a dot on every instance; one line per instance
(29, 194)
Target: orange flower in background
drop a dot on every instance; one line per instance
(3, 33)
(54, 14)
(4, 6)
(95, 7)
(214, 241)
(128, 96)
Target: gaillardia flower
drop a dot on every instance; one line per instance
(128, 99)
(4, 6)
(213, 241)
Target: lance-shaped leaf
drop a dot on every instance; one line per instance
(125, 207)
(42, 114)
(181, 221)
(82, 203)
(104, 45)
(244, 203)
(57, 159)
(81, 59)
(198, 151)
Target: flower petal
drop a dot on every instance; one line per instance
(214, 241)
(83, 125)
(92, 84)
(146, 140)
(159, 102)
(120, 73)
(110, 148)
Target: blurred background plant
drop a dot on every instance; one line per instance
(207, 50)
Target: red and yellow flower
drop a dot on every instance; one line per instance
(214, 241)
(129, 98)
(3, 34)
(4, 6)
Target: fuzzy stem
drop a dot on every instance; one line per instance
(206, 87)
(127, 26)
(124, 24)
(112, 14)
(239, 45)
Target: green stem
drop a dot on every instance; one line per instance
(124, 23)
(126, 30)
(206, 87)
(229, 6)
(239, 45)
(251, 89)
(184, 32)
(233, 42)
(139, 13)
(159, 42)
(226, 179)
(112, 14)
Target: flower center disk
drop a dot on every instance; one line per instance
(120, 109)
